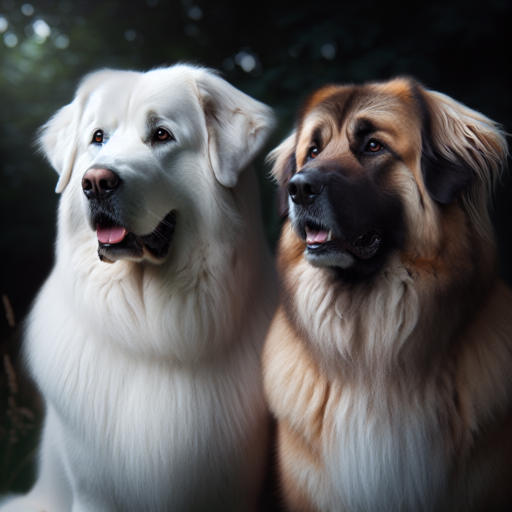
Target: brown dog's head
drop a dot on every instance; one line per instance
(370, 168)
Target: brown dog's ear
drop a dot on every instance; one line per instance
(463, 154)
(283, 168)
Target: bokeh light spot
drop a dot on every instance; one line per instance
(42, 29)
(31, 50)
(10, 39)
(195, 12)
(248, 63)
(328, 51)
(130, 35)
(27, 9)
(239, 56)
(3, 24)
(61, 41)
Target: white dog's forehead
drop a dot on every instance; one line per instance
(128, 98)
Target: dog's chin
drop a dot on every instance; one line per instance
(329, 258)
(325, 249)
(124, 245)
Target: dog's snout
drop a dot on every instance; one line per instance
(97, 183)
(304, 187)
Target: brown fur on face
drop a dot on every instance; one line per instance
(391, 377)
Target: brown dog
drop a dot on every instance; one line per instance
(389, 362)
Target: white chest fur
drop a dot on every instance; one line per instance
(383, 453)
(140, 433)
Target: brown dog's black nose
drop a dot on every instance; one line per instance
(305, 186)
(98, 183)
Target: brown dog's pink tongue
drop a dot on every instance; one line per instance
(316, 237)
(110, 234)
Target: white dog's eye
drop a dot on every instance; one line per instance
(98, 137)
(162, 135)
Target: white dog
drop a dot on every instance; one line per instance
(150, 366)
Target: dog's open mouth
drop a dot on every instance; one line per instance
(320, 239)
(116, 242)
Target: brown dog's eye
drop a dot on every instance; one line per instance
(374, 146)
(162, 135)
(313, 152)
(98, 137)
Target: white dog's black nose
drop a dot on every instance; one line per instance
(98, 183)
(305, 186)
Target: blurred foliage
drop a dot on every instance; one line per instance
(275, 51)
(20, 416)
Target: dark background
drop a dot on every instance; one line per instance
(275, 51)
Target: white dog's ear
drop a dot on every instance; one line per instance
(237, 125)
(58, 141)
(284, 166)
(282, 159)
(58, 138)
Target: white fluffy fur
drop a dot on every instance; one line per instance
(150, 372)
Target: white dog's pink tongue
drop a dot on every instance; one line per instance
(110, 234)
(314, 236)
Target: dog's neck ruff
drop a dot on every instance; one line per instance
(384, 324)
(188, 305)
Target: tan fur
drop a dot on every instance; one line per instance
(396, 394)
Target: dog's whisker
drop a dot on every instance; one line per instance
(162, 221)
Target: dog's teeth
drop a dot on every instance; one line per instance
(329, 236)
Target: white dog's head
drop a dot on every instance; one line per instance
(145, 151)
